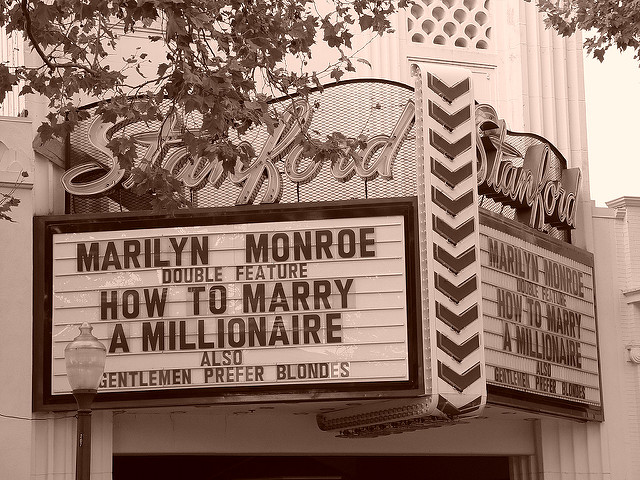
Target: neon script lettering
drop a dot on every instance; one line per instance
(376, 158)
(537, 199)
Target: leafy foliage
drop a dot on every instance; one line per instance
(8, 200)
(609, 23)
(225, 59)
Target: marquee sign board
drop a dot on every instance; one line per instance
(334, 298)
(228, 304)
(539, 315)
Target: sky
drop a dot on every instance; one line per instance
(613, 125)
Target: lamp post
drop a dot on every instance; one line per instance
(84, 359)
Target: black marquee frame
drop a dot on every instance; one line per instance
(44, 227)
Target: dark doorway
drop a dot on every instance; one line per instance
(309, 468)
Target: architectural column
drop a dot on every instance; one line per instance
(567, 450)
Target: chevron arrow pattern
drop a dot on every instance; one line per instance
(450, 150)
(449, 121)
(452, 179)
(451, 234)
(453, 206)
(452, 411)
(454, 264)
(458, 352)
(446, 92)
(459, 381)
(454, 294)
(455, 321)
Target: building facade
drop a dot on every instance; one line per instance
(434, 331)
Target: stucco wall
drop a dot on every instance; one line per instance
(15, 300)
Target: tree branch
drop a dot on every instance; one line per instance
(40, 52)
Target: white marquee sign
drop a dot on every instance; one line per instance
(540, 326)
(304, 302)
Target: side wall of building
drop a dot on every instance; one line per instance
(16, 157)
(618, 273)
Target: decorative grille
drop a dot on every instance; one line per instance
(451, 23)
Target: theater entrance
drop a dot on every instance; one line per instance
(310, 467)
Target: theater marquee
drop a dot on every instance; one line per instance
(312, 295)
(540, 327)
(318, 302)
